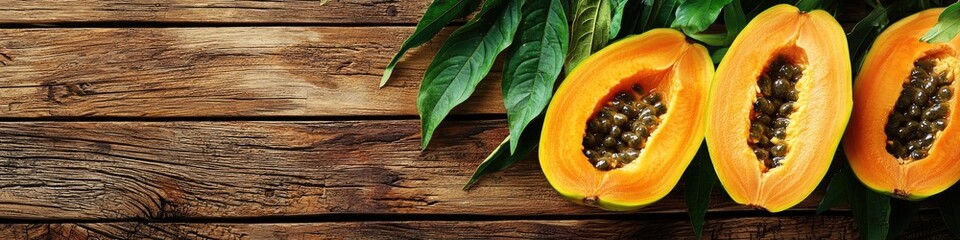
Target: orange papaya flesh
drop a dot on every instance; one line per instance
(903, 135)
(778, 107)
(635, 74)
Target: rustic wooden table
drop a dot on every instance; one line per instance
(262, 119)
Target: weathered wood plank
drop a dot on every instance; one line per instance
(248, 11)
(162, 170)
(214, 11)
(204, 72)
(927, 226)
(216, 72)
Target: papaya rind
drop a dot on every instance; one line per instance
(750, 189)
(579, 195)
(875, 168)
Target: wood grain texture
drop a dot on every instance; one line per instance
(172, 170)
(927, 226)
(249, 11)
(215, 11)
(210, 72)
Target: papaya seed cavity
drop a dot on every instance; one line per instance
(776, 98)
(617, 133)
(921, 111)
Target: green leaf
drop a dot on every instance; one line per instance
(838, 190)
(758, 6)
(651, 9)
(631, 18)
(734, 19)
(591, 25)
(699, 179)
(810, 5)
(712, 39)
(949, 209)
(617, 19)
(902, 212)
(694, 16)
(926, 4)
(657, 14)
(438, 15)
(534, 63)
(863, 34)
(871, 210)
(718, 54)
(501, 158)
(463, 60)
(947, 27)
(807, 5)
(878, 215)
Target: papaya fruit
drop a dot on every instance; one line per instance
(778, 107)
(903, 134)
(627, 121)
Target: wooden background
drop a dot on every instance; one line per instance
(243, 119)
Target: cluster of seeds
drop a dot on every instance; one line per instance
(617, 133)
(920, 113)
(776, 95)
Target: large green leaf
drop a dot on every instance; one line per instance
(838, 189)
(631, 17)
(734, 19)
(947, 27)
(863, 34)
(755, 7)
(438, 15)
(657, 14)
(925, 4)
(463, 60)
(902, 8)
(902, 212)
(694, 16)
(501, 158)
(949, 208)
(710, 39)
(617, 18)
(699, 179)
(591, 27)
(718, 54)
(871, 210)
(534, 63)
(878, 215)
(810, 5)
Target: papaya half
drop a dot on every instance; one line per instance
(778, 107)
(627, 121)
(903, 135)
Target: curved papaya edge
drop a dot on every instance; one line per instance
(656, 59)
(886, 65)
(813, 40)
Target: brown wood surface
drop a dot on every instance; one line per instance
(161, 170)
(131, 119)
(374, 12)
(215, 11)
(216, 72)
(242, 71)
(926, 226)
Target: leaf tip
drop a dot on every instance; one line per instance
(513, 144)
(466, 187)
(424, 141)
(385, 78)
(820, 210)
(423, 144)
